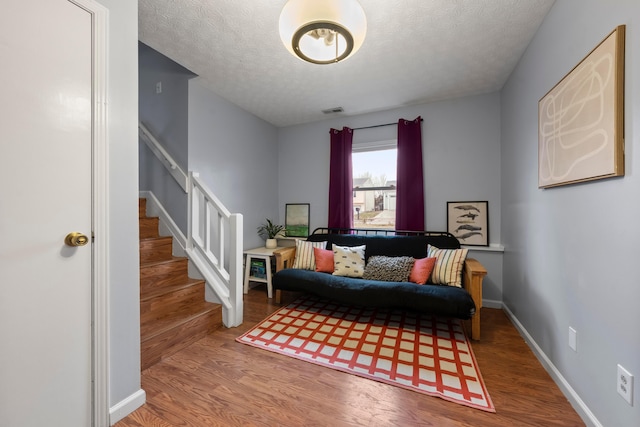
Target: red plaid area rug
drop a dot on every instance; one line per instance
(417, 352)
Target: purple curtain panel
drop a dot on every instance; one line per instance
(410, 185)
(340, 179)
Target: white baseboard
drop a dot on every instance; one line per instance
(167, 226)
(127, 406)
(490, 303)
(578, 404)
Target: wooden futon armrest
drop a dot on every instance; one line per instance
(284, 257)
(472, 277)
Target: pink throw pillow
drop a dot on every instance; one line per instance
(421, 270)
(324, 260)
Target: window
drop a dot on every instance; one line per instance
(374, 184)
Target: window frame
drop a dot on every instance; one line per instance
(370, 146)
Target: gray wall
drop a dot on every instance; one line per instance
(461, 149)
(124, 270)
(570, 252)
(166, 115)
(236, 154)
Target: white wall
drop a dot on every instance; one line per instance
(124, 272)
(570, 252)
(236, 154)
(461, 149)
(166, 115)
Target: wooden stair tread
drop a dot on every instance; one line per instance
(174, 270)
(173, 311)
(158, 238)
(150, 264)
(166, 289)
(142, 207)
(167, 343)
(148, 227)
(174, 319)
(156, 248)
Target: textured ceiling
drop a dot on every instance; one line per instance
(415, 51)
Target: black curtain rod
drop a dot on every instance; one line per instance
(379, 126)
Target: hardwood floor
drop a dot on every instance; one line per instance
(219, 382)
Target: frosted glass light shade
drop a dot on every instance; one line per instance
(323, 32)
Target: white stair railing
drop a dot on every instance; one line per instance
(165, 158)
(215, 234)
(214, 238)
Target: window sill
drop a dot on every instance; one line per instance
(491, 248)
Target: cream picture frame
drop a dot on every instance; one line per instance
(581, 119)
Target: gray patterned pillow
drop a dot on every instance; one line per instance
(388, 269)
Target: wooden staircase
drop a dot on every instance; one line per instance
(173, 311)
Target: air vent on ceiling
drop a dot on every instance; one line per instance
(333, 110)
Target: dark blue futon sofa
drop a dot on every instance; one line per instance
(442, 300)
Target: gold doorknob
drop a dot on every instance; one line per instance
(76, 239)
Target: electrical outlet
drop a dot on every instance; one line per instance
(573, 339)
(625, 384)
(159, 87)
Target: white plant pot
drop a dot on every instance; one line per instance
(271, 244)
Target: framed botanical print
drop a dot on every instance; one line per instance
(297, 219)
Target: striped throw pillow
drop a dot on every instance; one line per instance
(449, 264)
(305, 259)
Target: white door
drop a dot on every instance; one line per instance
(45, 193)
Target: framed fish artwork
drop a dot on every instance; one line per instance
(469, 222)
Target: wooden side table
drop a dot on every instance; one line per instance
(260, 254)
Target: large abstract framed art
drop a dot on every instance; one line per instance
(581, 119)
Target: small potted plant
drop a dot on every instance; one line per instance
(270, 231)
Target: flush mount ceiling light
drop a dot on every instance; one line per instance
(323, 32)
